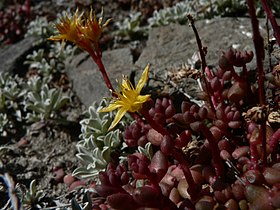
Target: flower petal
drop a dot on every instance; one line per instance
(118, 117)
(143, 79)
(111, 107)
(142, 99)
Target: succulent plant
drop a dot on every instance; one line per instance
(4, 124)
(193, 156)
(86, 201)
(175, 14)
(49, 62)
(32, 197)
(131, 27)
(45, 104)
(14, 18)
(40, 29)
(97, 144)
(11, 94)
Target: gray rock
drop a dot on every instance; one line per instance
(11, 56)
(173, 45)
(86, 77)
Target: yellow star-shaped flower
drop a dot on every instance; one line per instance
(82, 31)
(93, 28)
(69, 28)
(129, 98)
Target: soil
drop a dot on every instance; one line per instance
(46, 152)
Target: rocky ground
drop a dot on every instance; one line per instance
(46, 153)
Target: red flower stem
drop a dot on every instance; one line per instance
(217, 161)
(180, 157)
(97, 59)
(203, 60)
(254, 154)
(259, 50)
(272, 20)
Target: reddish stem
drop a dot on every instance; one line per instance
(254, 156)
(180, 157)
(176, 153)
(203, 60)
(259, 49)
(272, 20)
(97, 59)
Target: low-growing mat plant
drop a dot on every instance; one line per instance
(221, 154)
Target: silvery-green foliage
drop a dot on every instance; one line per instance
(130, 27)
(147, 150)
(11, 93)
(41, 29)
(86, 203)
(35, 84)
(97, 142)
(37, 61)
(33, 196)
(45, 103)
(229, 7)
(4, 124)
(176, 14)
(48, 63)
(60, 51)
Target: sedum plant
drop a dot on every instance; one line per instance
(223, 154)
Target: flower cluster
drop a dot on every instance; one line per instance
(80, 30)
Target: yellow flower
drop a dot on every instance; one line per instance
(93, 28)
(79, 30)
(69, 29)
(129, 98)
